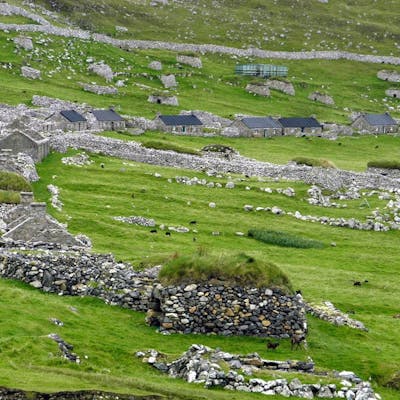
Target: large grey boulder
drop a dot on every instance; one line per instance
(188, 60)
(261, 90)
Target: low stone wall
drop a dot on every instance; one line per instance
(329, 178)
(81, 274)
(228, 311)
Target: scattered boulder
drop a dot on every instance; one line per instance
(189, 60)
(322, 98)
(261, 90)
(24, 42)
(121, 29)
(30, 73)
(169, 81)
(155, 65)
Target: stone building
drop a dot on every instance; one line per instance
(375, 123)
(258, 127)
(31, 143)
(296, 126)
(66, 120)
(179, 124)
(109, 120)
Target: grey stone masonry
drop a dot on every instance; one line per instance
(390, 76)
(194, 62)
(322, 98)
(261, 90)
(225, 310)
(30, 73)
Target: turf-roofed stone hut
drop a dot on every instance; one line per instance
(375, 123)
(180, 124)
(235, 295)
(298, 126)
(67, 120)
(258, 127)
(109, 120)
(31, 143)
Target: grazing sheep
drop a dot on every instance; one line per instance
(297, 340)
(272, 345)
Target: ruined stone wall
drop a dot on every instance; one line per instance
(226, 310)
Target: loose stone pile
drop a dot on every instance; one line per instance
(224, 310)
(136, 220)
(79, 160)
(65, 348)
(55, 201)
(201, 364)
(328, 312)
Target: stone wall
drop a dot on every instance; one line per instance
(226, 310)
(20, 163)
(329, 178)
(80, 274)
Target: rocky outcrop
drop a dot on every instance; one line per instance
(390, 76)
(322, 98)
(202, 365)
(261, 90)
(224, 310)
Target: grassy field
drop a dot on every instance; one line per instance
(285, 25)
(354, 86)
(350, 153)
(93, 195)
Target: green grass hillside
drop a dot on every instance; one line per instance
(358, 26)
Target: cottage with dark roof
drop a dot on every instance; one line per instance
(375, 123)
(108, 120)
(31, 143)
(179, 124)
(296, 126)
(258, 127)
(67, 120)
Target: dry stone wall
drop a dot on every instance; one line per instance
(226, 310)
(329, 178)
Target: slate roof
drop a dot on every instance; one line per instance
(261, 122)
(72, 116)
(379, 119)
(179, 120)
(107, 115)
(297, 122)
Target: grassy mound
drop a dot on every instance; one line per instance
(284, 239)
(159, 145)
(11, 181)
(9, 197)
(386, 164)
(314, 162)
(234, 270)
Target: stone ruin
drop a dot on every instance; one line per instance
(261, 90)
(321, 98)
(30, 73)
(169, 81)
(390, 76)
(281, 86)
(395, 93)
(161, 99)
(224, 310)
(28, 222)
(194, 62)
(19, 163)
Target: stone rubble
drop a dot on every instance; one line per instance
(169, 81)
(98, 89)
(328, 312)
(55, 201)
(155, 65)
(30, 73)
(65, 348)
(102, 70)
(321, 98)
(136, 220)
(202, 365)
(261, 90)
(194, 62)
(24, 42)
(79, 160)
